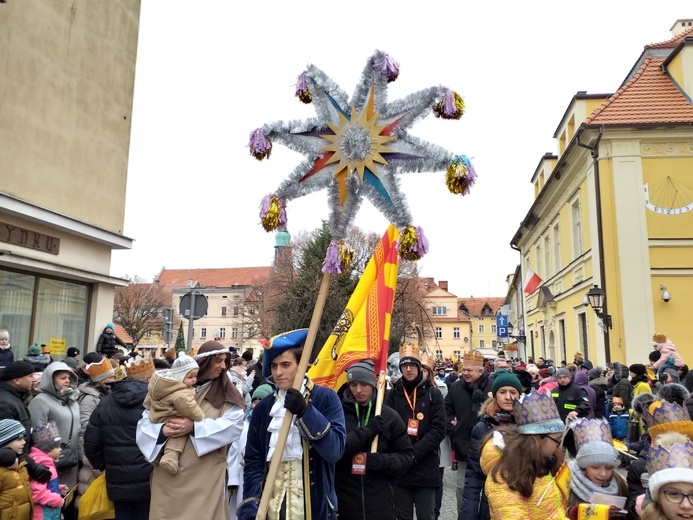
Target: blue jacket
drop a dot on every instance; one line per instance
(618, 422)
(324, 434)
(6, 357)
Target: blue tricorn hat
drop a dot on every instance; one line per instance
(280, 343)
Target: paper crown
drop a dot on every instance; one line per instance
(170, 353)
(679, 456)
(537, 414)
(473, 358)
(409, 350)
(120, 373)
(99, 371)
(591, 430)
(46, 433)
(139, 367)
(663, 416)
(427, 361)
(659, 337)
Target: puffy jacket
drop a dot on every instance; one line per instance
(107, 342)
(624, 390)
(618, 423)
(15, 499)
(429, 410)
(47, 498)
(12, 407)
(668, 351)
(6, 357)
(571, 398)
(370, 496)
(464, 402)
(109, 441)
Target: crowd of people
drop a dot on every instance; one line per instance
(192, 435)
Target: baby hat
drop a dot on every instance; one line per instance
(181, 366)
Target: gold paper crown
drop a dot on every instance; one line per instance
(679, 456)
(663, 416)
(140, 367)
(427, 361)
(193, 352)
(120, 373)
(410, 350)
(98, 369)
(659, 337)
(537, 413)
(591, 430)
(473, 358)
(170, 353)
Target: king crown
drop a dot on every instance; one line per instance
(591, 430)
(97, 369)
(659, 337)
(678, 456)
(139, 365)
(474, 356)
(660, 412)
(535, 408)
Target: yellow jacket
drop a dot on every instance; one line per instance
(506, 504)
(15, 494)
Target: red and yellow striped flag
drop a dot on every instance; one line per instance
(363, 331)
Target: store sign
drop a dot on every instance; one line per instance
(58, 346)
(19, 236)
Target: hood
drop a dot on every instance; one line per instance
(129, 393)
(88, 389)
(46, 384)
(668, 345)
(160, 387)
(580, 378)
(40, 457)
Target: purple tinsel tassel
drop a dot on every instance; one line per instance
(302, 91)
(449, 108)
(333, 264)
(265, 204)
(471, 175)
(388, 67)
(260, 146)
(421, 246)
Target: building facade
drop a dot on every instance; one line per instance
(614, 209)
(482, 316)
(452, 329)
(66, 84)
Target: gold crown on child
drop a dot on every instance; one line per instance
(139, 367)
(659, 337)
(537, 413)
(591, 430)
(679, 456)
(663, 416)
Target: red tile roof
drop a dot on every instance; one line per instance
(474, 306)
(672, 42)
(223, 277)
(122, 334)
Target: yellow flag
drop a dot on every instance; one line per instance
(563, 478)
(363, 330)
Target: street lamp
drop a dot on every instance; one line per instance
(520, 337)
(596, 298)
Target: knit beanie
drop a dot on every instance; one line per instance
(34, 350)
(72, 352)
(71, 362)
(597, 453)
(110, 326)
(587, 364)
(363, 372)
(504, 378)
(410, 359)
(544, 373)
(10, 430)
(638, 369)
(16, 369)
(593, 374)
(92, 357)
(181, 366)
(262, 391)
(532, 368)
(563, 372)
(47, 437)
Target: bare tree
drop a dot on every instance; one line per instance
(410, 319)
(138, 307)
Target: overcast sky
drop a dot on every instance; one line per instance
(211, 71)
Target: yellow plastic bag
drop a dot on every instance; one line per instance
(95, 504)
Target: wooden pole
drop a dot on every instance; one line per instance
(298, 381)
(380, 386)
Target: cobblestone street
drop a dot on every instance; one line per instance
(448, 509)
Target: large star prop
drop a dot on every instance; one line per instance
(357, 147)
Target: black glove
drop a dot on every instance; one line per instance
(375, 425)
(295, 402)
(38, 472)
(374, 462)
(7, 457)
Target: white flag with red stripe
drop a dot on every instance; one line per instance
(532, 281)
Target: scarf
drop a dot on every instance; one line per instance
(68, 394)
(584, 487)
(408, 386)
(293, 450)
(8, 347)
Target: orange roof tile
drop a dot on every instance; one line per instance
(672, 42)
(649, 97)
(222, 277)
(475, 305)
(122, 334)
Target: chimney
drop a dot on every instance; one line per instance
(679, 64)
(443, 284)
(681, 25)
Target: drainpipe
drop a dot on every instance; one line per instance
(600, 236)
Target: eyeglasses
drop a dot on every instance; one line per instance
(676, 497)
(557, 441)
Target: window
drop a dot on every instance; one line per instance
(537, 261)
(223, 311)
(235, 311)
(481, 329)
(148, 334)
(203, 332)
(576, 228)
(481, 343)
(547, 255)
(234, 332)
(582, 334)
(493, 329)
(455, 333)
(556, 248)
(561, 331)
(439, 355)
(439, 333)
(456, 353)
(222, 332)
(440, 311)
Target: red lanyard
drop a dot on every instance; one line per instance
(412, 406)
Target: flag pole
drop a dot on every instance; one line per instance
(380, 386)
(298, 381)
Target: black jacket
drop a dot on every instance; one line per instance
(571, 398)
(624, 390)
(464, 401)
(107, 342)
(430, 412)
(109, 441)
(370, 496)
(6, 357)
(12, 407)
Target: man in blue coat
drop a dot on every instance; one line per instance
(315, 443)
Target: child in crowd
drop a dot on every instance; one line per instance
(15, 491)
(618, 419)
(6, 354)
(48, 498)
(171, 393)
(669, 357)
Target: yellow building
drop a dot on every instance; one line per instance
(66, 84)
(451, 327)
(614, 208)
(482, 315)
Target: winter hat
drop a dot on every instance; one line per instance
(71, 362)
(642, 402)
(92, 357)
(262, 391)
(532, 368)
(363, 372)
(16, 369)
(594, 443)
(674, 393)
(247, 355)
(34, 350)
(10, 430)
(563, 372)
(638, 369)
(46, 438)
(110, 326)
(99, 371)
(279, 343)
(552, 370)
(587, 364)
(593, 374)
(409, 353)
(504, 378)
(72, 352)
(181, 366)
(544, 373)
